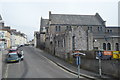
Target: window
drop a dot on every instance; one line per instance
(98, 28)
(108, 46)
(73, 42)
(90, 28)
(117, 46)
(68, 28)
(111, 31)
(57, 28)
(104, 46)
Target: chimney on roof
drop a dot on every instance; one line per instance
(49, 15)
(49, 12)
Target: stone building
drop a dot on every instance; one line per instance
(109, 40)
(63, 33)
(43, 32)
(37, 39)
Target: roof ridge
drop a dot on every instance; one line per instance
(72, 14)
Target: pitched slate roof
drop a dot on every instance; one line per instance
(76, 19)
(44, 22)
(0, 17)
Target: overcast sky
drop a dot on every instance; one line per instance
(24, 15)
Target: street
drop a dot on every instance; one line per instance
(35, 65)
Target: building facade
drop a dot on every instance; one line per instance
(10, 37)
(18, 38)
(63, 33)
(2, 41)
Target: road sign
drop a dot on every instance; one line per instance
(100, 54)
(78, 60)
(78, 54)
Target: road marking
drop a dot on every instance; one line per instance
(59, 66)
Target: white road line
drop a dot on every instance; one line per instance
(59, 66)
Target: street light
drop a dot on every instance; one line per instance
(94, 40)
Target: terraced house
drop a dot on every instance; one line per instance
(62, 33)
(2, 40)
(10, 37)
(6, 36)
(18, 38)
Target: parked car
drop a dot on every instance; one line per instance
(14, 47)
(12, 50)
(13, 57)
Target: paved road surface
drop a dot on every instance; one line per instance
(35, 65)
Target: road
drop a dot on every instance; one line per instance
(35, 65)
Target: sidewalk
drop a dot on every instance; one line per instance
(73, 69)
(2, 65)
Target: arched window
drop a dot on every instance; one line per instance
(108, 46)
(117, 46)
(104, 46)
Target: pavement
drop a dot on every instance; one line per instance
(0, 64)
(73, 69)
(2, 59)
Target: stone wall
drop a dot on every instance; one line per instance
(109, 67)
(80, 39)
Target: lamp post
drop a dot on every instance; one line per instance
(94, 40)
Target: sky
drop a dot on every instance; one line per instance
(24, 15)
